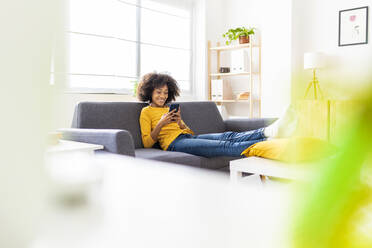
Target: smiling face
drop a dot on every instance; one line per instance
(159, 96)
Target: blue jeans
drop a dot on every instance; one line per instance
(230, 144)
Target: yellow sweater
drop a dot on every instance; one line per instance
(150, 116)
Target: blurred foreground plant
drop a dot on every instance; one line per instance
(337, 210)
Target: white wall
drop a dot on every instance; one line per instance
(273, 20)
(315, 28)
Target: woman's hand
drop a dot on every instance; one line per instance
(178, 119)
(167, 118)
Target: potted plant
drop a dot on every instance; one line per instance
(135, 87)
(241, 33)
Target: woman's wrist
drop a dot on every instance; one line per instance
(160, 124)
(182, 125)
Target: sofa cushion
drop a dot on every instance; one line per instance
(167, 156)
(183, 158)
(202, 117)
(217, 163)
(110, 115)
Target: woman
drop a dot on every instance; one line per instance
(168, 128)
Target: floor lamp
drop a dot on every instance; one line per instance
(314, 61)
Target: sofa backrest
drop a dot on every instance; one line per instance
(201, 117)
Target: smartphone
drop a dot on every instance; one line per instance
(175, 106)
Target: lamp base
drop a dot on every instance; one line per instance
(315, 85)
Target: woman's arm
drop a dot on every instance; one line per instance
(145, 124)
(165, 120)
(150, 137)
(155, 133)
(180, 122)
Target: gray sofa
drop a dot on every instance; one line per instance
(115, 125)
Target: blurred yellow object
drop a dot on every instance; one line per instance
(53, 138)
(297, 149)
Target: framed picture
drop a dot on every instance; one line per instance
(353, 26)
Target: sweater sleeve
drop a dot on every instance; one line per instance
(145, 123)
(187, 127)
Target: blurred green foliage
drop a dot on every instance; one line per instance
(338, 201)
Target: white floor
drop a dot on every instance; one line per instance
(150, 204)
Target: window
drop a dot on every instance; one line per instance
(111, 43)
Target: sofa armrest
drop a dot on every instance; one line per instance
(114, 140)
(246, 124)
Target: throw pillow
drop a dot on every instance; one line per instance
(297, 149)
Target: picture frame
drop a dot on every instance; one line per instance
(353, 26)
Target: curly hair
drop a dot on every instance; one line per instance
(152, 81)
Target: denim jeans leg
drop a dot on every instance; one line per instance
(210, 148)
(234, 136)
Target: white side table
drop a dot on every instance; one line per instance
(266, 167)
(66, 146)
(72, 169)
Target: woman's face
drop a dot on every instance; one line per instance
(159, 96)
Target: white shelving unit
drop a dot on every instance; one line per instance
(250, 73)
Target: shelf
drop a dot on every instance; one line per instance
(235, 47)
(251, 76)
(235, 101)
(229, 74)
(227, 101)
(237, 117)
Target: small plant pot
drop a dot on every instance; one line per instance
(243, 39)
